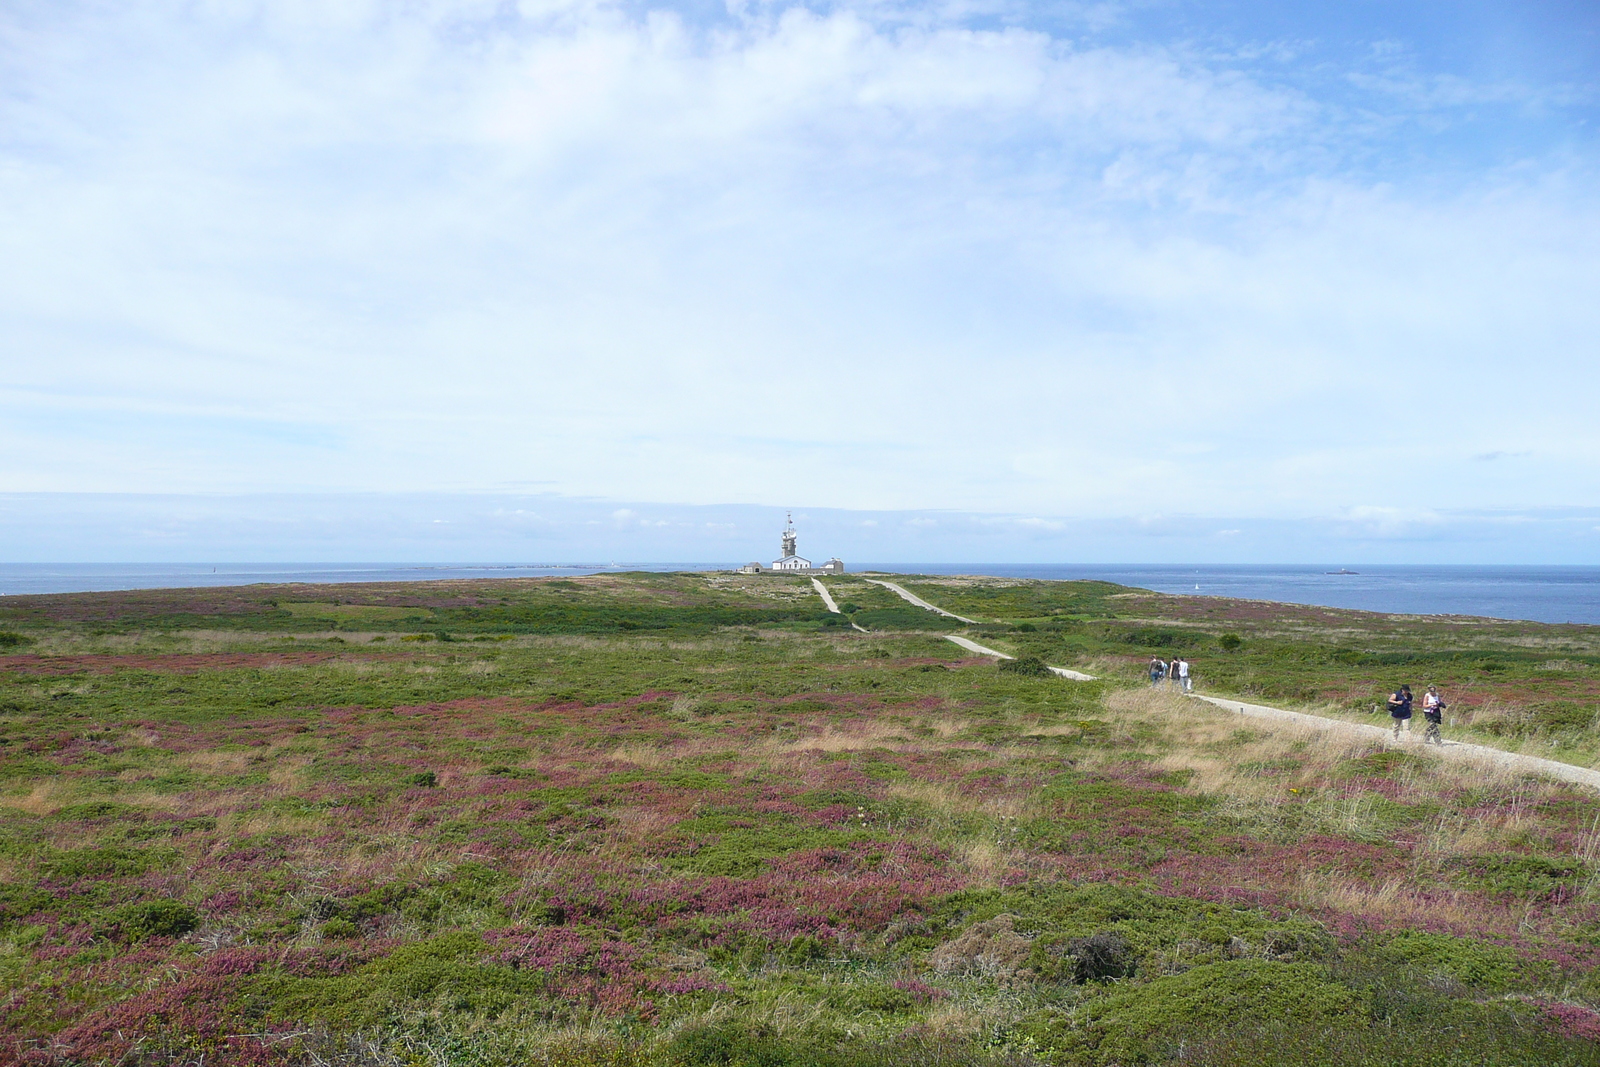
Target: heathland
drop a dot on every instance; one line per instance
(696, 819)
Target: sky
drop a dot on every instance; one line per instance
(1156, 281)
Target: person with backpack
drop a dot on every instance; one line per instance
(1158, 669)
(1433, 707)
(1400, 709)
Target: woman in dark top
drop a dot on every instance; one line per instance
(1400, 709)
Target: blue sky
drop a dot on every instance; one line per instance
(1062, 273)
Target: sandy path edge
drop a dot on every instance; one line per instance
(1566, 772)
(1459, 750)
(827, 602)
(973, 646)
(912, 598)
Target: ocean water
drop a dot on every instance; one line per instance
(1541, 594)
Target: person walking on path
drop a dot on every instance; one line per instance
(1433, 706)
(1183, 674)
(1400, 709)
(1172, 673)
(1157, 669)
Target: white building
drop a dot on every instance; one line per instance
(792, 562)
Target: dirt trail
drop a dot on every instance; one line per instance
(910, 597)
(973, 646)
(1459, 750)
(827, 601)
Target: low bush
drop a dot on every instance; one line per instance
(1472, 963)
(1148, 1023)
(155, 918)
(1027, 667)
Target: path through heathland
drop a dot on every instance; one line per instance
(827, 601)
(1460, 750)
(913, 598)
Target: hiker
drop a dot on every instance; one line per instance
(1183, 674)
(1172, 673)
(1433, 706)
(1157, 670)
(1400, 709)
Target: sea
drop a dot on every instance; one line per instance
(1535, 593)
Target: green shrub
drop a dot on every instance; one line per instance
(1144, 1024)
(423, 780)
(1063, 919)
(1477, 1038)
(803, 949)
(1145, 637)
(1517, 877)
(79, 864)
(98, 809)
(1472, 963)
(728, 1044)
(340, 928)
(156, 918)
(1101, 957)
(1230, 642)
(10, 639)
(1027, 667)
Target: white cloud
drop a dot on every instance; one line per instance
(444, 246)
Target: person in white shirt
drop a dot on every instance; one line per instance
(1433, 707)
(1183, 674)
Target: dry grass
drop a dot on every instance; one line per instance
(43, 799)
(168, 802)
(986, 863)
(859, 736)
(214, 761)
(642, 755)
(633, 825)
(287, 775)
(947, 799)
(245, 823)
(1392, 902)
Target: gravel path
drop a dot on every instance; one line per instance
(913, 598)
(827, 601)
(1460, 750)
(973, 646)
(1510, 761)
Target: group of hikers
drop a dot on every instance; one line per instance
(1176, 673)
(1432, 710)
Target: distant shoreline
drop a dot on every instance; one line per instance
(1533, 593)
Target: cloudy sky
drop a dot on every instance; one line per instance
(1066, 273)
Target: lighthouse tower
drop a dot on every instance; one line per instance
(791, 560)
(789, 539)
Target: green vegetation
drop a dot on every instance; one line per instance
(672, 820)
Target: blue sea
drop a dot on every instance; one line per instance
(1541, 594)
